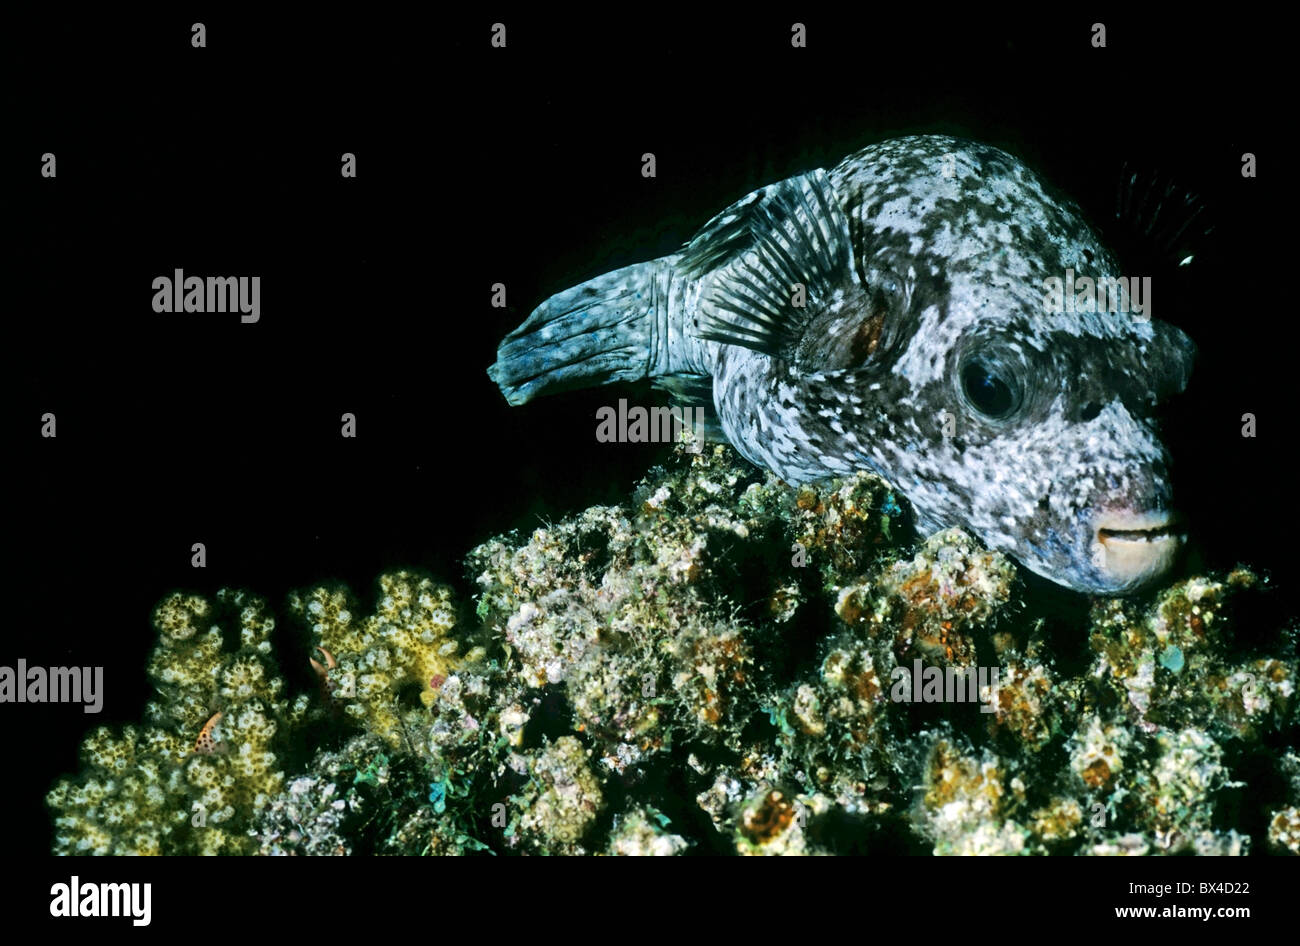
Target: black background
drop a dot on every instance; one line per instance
(520, 166)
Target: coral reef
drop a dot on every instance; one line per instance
(559, 804)
(193, 777)
(724, 664)
(313, 815)
(1284, 826)
(643, 832)
(404, 643)
(969, 802)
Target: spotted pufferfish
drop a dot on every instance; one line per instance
(890, 315)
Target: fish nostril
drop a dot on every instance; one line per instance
(1090, 410)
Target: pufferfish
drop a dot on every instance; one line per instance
(892, 314)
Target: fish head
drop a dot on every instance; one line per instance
(1036, 430)
(1064, 462)
(1010, 401)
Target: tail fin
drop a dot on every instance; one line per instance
(607, 329)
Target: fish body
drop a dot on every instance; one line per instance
(206, 743)
(896, 314)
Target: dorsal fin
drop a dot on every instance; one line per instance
(761, 248)
(725, 235)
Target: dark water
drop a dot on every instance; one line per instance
(478, 167)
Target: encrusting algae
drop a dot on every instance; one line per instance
(724, 664)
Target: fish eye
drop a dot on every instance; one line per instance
(990, 389)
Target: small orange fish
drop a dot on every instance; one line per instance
(205, 744)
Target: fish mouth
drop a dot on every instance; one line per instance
(1157, 534)
(1135, 548)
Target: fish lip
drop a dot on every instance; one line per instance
(1137, 548)
(1164, 534)
(1133, 528)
